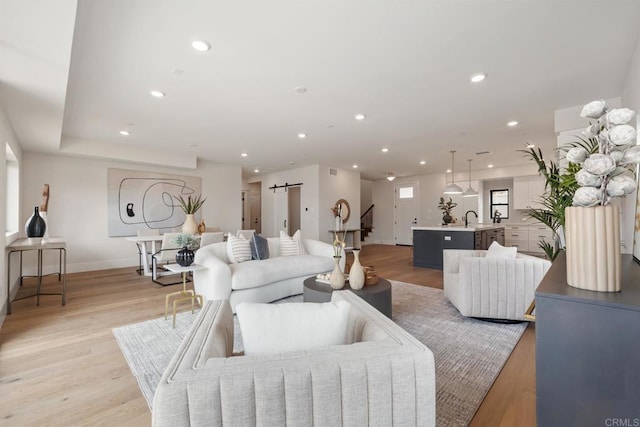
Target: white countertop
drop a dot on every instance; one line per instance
(460, 227)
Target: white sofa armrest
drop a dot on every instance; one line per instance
(316, 247)
(214, 281)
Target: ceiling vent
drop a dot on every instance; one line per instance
(480, 153)
(333, 171)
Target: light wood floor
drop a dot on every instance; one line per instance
(62, 365)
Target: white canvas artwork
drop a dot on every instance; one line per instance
(144, 200)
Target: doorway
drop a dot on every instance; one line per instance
(287, 210)
(255, 207)
(405, 212)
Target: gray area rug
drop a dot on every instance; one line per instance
(469, 353)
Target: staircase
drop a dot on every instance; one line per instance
(366, 223)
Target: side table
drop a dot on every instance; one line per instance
(39, 245)
(185, 294)
(378, 295)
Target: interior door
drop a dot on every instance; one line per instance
(294, 209)
(281, 212)
(405, 212)
(255, 212)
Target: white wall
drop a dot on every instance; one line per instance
(344, 185)
(309, 197)
(78, 204)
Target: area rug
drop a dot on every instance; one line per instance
(469, 353)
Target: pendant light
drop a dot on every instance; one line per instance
(470, 192)
(452, 188)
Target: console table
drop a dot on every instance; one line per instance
(587, 347)
(40, 245)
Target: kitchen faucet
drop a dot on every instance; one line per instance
(466, 220)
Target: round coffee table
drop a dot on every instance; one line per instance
(378, 295)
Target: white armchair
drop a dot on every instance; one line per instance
(496, 288)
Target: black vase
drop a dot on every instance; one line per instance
(184, 257)
(447, 219)
(36, 226)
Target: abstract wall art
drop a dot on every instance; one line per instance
(144, 200)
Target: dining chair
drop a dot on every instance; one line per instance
(144, 232)
(166, 255)
(209, 238)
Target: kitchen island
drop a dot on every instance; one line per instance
(429, 242)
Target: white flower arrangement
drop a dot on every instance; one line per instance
(607, 173)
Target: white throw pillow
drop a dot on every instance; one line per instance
(290, 246)
(269, 328)
(496, 250)
(238, 249)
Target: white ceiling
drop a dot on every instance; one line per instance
(404, 64)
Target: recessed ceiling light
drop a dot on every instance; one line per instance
(157, 93)
(512, 123)
(530, 145)
(201, 45)
(478, 77)
(385, 150)
(489, 166)
(256, 171)
(244, 154)
(355, 166)
(360, 116)
(423, 162)
(125, 133)
(302, 135)
(448, 170)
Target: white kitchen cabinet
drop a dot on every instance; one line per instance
(527, 191)
(537, 233)
(517, 236)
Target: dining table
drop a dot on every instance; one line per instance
(144, 241)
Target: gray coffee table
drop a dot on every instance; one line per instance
(378, 295)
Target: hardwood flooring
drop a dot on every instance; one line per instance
(61, 366)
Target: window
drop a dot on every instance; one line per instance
(499, 204)
(12, 191)
(405, 192)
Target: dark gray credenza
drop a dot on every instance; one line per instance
(588, 351)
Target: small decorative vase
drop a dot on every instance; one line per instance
(356, 274)
(184, 257)
(337, 276)
(190, 225)
(35, 226)
(446, 219)
(593, 247)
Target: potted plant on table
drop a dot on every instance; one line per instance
(446, 207)
(188, 243)
(190, 207)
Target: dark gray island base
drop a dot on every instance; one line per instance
(588, 351)
(429, 242)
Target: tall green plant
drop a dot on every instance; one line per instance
(560, 185)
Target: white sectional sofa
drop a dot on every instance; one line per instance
(382, 376)
(259, 281)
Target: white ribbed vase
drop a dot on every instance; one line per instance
(593, 248)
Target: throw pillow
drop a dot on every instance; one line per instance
(290, 246)
(238, 249)
(259, 247)
(496, 250)
(273, 328)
